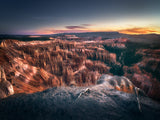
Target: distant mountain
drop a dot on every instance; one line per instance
(107, 35)
(143, 38)
(148, 38)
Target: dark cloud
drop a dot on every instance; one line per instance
(75, 27)
(86, 24)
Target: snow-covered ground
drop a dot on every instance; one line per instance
(78, 103)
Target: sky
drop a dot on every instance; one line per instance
(34, 17)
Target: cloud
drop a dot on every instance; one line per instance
(78, 27)
(86, 24)
(67, 29)
(138, 30)
(75, 27)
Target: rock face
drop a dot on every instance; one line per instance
(145, 74)
(6, 87)
(97, 102)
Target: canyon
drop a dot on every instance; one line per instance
(33, 66)
(78, 77)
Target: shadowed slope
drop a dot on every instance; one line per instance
(66, 103)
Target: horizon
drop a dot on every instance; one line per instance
(80, 33)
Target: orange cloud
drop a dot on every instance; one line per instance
(139, 31)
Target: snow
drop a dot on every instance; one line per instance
(88, 103)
